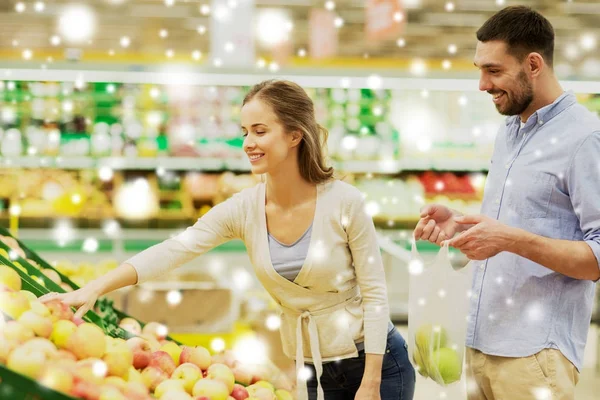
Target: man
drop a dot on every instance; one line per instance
(537, 242)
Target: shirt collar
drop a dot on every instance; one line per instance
(548, 112)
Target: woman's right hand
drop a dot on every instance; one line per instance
(83, 298)
(436, 224)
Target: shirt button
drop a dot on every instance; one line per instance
(497, 201)
(482, 266)
(474, 296)
(507, 166)
(541, 122)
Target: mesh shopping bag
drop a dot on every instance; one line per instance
(437, 316)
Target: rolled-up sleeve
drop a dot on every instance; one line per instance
(217, 226)
(584, 189)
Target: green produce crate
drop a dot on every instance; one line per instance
(105, 313)
(40, 261)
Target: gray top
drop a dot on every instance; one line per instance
(289, 259)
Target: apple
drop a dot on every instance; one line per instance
(109, 392)
(176, 395)
(221, 372)
(61, 332)
(39, 308)
(173, 350)
(282, 394)
(60, 310)
(131, 326)
(169, 385)
(57, 378)
(91, 370)
(78, 320)
(198, 356)
(53, 275)
(264, 384)
(30, 296)
(118, 357)
(156, 330)
(136, 390)
(27, 361)
(141, 352)
(10, 278)
(88, 341)
(133, 375)
(212, 389)
(14, 304)
(242, 375)
(448, 363)
(115, 381)
(264, 394)
(6, 347)
(227, 357)
(162, 360)
(65, 286)
(86, 390)
(239, 392)
(41, 326)
(152, 342)
(16, 331)
(153, 376)
(43, 345)
(189, 374)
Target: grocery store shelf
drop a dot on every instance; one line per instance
(233, 164)
(187, 76)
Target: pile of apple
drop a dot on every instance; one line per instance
(46, 343)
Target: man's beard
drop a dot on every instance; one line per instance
(522, 99)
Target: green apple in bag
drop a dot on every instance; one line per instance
(448, 363)
(430, 337)
(421, 367)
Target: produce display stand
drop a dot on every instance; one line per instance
(104, 315)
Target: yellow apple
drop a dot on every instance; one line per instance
(221, 372)
(61, 332)
(41, 326)
(57, 378)
(10, 278)
(14, 304)
(210, 388)
(189, 374)
(118, 357)
(18, 332)
(26, 361)
(88, 341)
(198, 356)
(173, 350)
(168, 386)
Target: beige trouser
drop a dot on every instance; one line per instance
(547, 375)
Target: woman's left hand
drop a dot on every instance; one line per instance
(368, 391)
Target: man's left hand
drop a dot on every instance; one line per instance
(486, 238)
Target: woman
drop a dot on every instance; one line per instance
(312, 246)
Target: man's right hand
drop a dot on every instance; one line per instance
(436, 224)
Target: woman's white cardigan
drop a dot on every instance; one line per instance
(338, 298)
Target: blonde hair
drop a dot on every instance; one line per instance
(296, 112)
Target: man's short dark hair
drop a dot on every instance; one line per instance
(523, 30)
